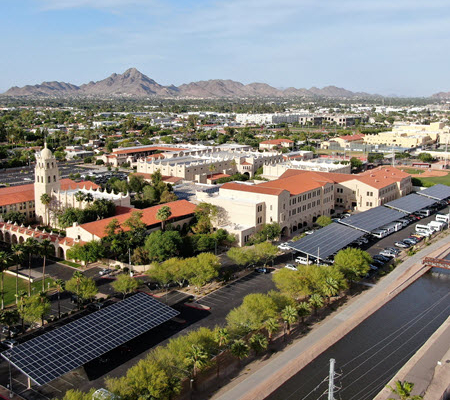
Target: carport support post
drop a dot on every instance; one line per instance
(29, 383)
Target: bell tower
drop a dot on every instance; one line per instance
(46, 180)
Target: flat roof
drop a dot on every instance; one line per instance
(438, 192)
(410, 203)
(372, 219)
(326, 241)
(64, 349)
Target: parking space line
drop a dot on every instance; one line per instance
(65, 380)
(48, 384)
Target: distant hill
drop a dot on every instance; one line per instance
(133, 83)
(441, 95)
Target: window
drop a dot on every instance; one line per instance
(49, 179)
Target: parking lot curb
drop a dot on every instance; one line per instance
(197, 306)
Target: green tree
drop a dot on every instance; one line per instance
(204, 269)
(356, 164)
(258, 343)
(323, 220)
(425, 157)
(354, 263)
(303, 310)
(316, 301)
(242, 255)
(222, 338)
(240, 350)
(125, 284)
(403, 390)
(134, 222)
(289, 315)
(33, 308)
(163, 214)
(74, 394)
(60, 286)
(15, 217)
(160, 274)
(196, 359)
(163, 245)
(265, 252)
(292, 283)
(272, 326)
(9, 318)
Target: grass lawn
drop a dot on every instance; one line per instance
(430, 181)
(413, 171)
(10, 287)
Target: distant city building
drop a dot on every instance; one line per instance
(274, 144)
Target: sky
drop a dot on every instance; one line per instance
(389, 47)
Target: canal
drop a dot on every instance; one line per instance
(370, 355)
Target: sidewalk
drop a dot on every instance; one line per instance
(282, 367)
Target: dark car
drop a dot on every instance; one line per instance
(262, 270)
(13, 331)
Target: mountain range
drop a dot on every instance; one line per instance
(133, 83)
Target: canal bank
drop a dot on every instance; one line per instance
(428, 369)
(261, 383)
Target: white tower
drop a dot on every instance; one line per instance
(46, 180)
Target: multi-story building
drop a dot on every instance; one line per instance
(274, 144)
(298, 198)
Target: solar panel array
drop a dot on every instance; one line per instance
(410, 203)
(372, 219)
(438, 192)
(326, 241)
(57, 352)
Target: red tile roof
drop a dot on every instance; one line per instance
(352, 138)
(277, 141)
(179, 208)
(23, 193)
(252, 188)
(217, 176)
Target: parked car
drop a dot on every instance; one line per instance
(303, 260)
(396, 251)
(96, 306)
(284, 246)
(417, 237)
(262, 270)
(377, 262)
(381, 258)
(291, 266)
(402, 244)
(9, 343)
(410, 241)
(388, 253)
(13, 331)
(105, 271)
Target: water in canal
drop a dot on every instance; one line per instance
(369, 356)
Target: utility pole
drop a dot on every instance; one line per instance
(331, 380)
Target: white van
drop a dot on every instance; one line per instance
(303, 260)
(424, 213)
(437, 226)
(380, 233)
(389, 229)
(420, 227)
(443, 218)
(397, 225)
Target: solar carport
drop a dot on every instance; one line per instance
(326, 241)
(372, 219)
(437, 192)
(57, 352)
(410, 203)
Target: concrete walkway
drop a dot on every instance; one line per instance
(268, 378)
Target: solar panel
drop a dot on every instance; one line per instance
(438, 192)
(372, 219)
(57, 352)
(410, 203)
(326, 241)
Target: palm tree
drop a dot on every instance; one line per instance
(303, 310)
(316, 301)
(197, 358)
(163, 215)
(4, 264)
(46, 200)
(403, 390)
(221, 337)
(330, 288)
(21, 301)
(18, 253)
(60, 287)
(290, 315)
(45, 249)
(258, 343)
(43, 298)
(31, 247)
(240, 350)
(79, 196)
(272, 325)
(89, 198)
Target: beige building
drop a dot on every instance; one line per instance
(298, 198)
(275, 144)
(200, 166)
(274, 171)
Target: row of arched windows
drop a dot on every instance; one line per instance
(41, 165)
(49, 179)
